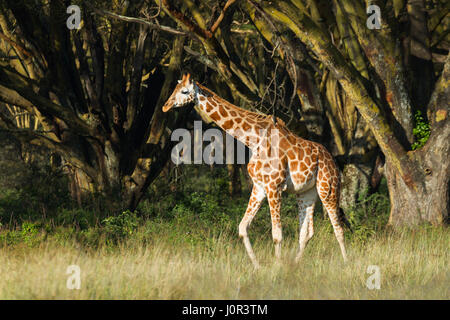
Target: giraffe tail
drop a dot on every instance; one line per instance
(343, 220)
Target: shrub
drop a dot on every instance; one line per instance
(80, 218)
(29, 233)
(369, 215)
(119, 227)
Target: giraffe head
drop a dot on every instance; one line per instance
(183, 94)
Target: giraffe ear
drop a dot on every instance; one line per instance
(188, 77)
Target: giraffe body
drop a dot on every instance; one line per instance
(281, 161)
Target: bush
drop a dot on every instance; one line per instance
(80, 218)
(42, 198)
(369, 216)
(119, 227)
(29, 233)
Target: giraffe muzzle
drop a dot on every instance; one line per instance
(166, 107)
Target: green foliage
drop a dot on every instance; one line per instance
(44, 197)
(369, 216)
(191, 219)
(421, 131)
(29, 234)
(80, 218)
(196, 214)
(121, 226)
(10, 201)
(10, 237)
(95, 237)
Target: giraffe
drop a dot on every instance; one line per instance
(281, 161)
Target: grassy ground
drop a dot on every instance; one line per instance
(413, 265)
(185, 245)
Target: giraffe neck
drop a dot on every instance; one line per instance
(244, 125)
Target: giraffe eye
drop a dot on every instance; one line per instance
(184, 91)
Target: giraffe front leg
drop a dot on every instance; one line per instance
(274, 198)
(254, 204)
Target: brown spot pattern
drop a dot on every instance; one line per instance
(228, 124)
(215, 116)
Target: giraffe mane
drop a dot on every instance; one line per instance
(256, 116)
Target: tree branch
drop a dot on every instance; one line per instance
(17, 46)
(33, 137)
(438, 107)
(201, 58)
(222, 15)
(147, 23)
(188, 23)
(352, 82)
(27, 98)
(237, 80)
(383, 52)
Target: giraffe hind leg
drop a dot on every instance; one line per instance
(331, 205)
(338, 230)
(306, 203)
(328, 188)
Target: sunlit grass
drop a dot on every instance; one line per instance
(413, 265)
(185, 245)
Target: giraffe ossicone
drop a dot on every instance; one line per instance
(281, 161)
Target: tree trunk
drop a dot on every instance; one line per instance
(418, 180)
(354, 184)
(359, 165)
(428, 200)
(234, 182)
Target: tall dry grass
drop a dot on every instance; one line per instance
(413, 265)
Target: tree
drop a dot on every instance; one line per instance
(387, 75)
(290, 81)
(323, 99)
(95, 91)
(418, 179)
